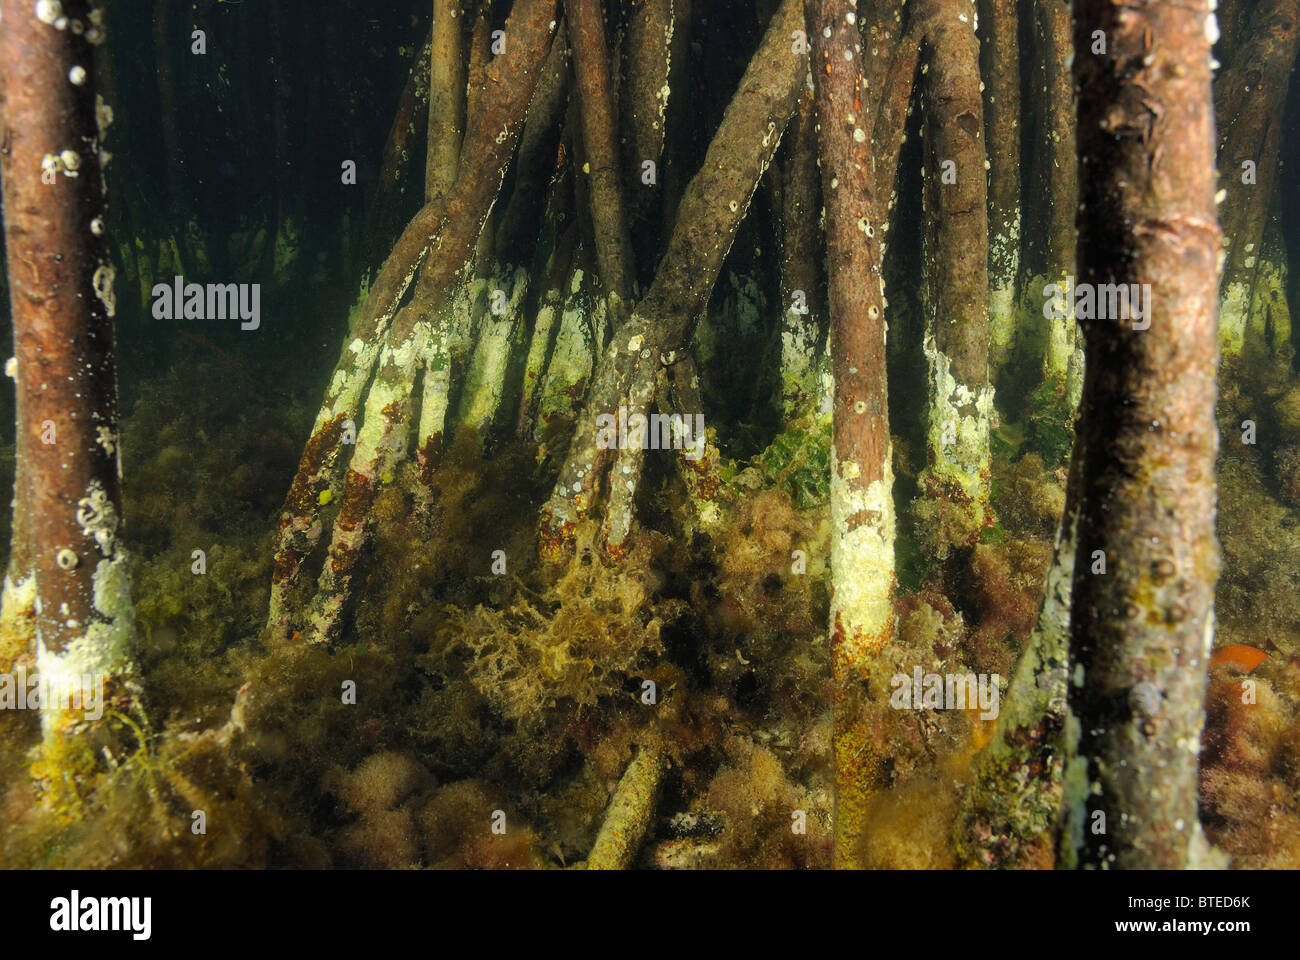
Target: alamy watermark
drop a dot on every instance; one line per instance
(22, 691)
(947, 691)
(659, 431)
(1099, 301)
(75, 913)
(179, 300)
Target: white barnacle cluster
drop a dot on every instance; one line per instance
(77, 75)
(102, 283)
(1212, 29)
(50, 11)
(98, 517)
(66, 162)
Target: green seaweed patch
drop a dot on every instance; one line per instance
(798, 461)
(1051, 423)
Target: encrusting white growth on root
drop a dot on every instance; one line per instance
(380, 444)
(435, 350)
(101, 651)
(573, 356)
(798, 358)
(958, 431)
(1004, 250)
(1062, 332)
(1232, 318)
(1002, 318)
(485, 378)
(862, 558)
(539, 346)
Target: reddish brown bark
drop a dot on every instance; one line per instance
(61, 297)
(890, 123)
(643, 100)
(539, 155)
(1141, 633)
(480, 55)
(446, 98)
(594, 86)
(1000, 66)
(956, 191)
(860, 431)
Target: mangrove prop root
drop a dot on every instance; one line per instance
(630, 813)
(1251, 92)
(595, 90)
(802, 270)
(536, 165)
(1057, 188)
(862, 514)
(443, 238)
(712, 207)
(62, 299)
(955, 268)
(890, 127)
(446, 99)
(1140, 635)
(643, 104)
(1000, 67)
(382, 222)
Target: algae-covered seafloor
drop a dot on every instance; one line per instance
(512, 469)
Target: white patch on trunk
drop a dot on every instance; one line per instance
(572, 357)
(862, 558)
(958, 428)
(485, 378)
(101, 651)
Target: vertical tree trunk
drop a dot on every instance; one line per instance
(643, 105)
(446, 99)
(1000, 65)
(1141, 632)
(1057, 175)
(889, 129)
(18, 600)
(862, 505)
(1251, 93)
(955, 483)
(593, 82)
(802, 273)
(61, 292)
